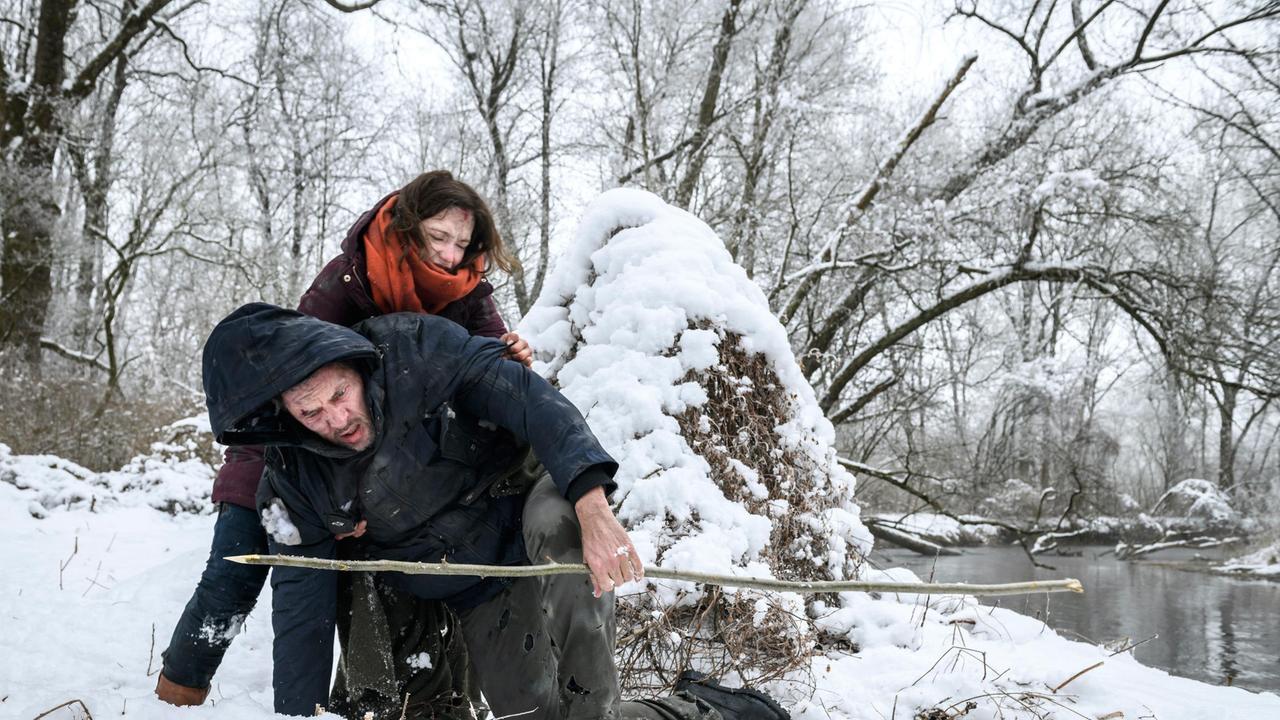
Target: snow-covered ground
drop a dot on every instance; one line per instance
(95, 576)
(90, 596)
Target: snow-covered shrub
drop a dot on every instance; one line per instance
(726, 462)
(1197, 500)
(175, 476)
(1013, 499)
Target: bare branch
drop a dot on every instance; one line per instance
(1078, 34)
(186, 54)
(1146, 31)
(745, 581)
(944, 305)
(134, 23)
(353, 7)
(78, 357)
(873, 186)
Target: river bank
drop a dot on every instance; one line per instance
(1215, 628)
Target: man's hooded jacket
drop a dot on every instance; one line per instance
(451, 419)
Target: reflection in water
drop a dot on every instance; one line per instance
(1215, 629)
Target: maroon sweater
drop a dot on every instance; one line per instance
(340, 294)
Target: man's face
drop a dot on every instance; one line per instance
(330, 403)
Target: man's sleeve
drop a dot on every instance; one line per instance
(509, 394)
(303, 611)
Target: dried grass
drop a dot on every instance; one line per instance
(64, 416)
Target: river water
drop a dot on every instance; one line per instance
(1211, 628)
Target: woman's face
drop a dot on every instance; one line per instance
(447, 234)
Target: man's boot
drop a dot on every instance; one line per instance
(180, 695)
(732, 703)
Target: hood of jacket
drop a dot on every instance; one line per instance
(258, 352)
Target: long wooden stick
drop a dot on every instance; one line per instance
(796, 586)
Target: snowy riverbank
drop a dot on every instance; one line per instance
(1262, 563)
(94, 586)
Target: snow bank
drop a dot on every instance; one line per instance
(97, 568)
(172, 477)
(948, 656)
(1261, 563)
(941, 528)
(1198, 500)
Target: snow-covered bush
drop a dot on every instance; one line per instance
(1196, 499)
(726, 462)
(1013, 499)
(175, 476)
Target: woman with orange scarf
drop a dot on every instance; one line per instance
(425, 248)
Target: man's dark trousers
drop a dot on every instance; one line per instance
(544, 646)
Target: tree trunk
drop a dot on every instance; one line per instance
(31, 122)
(550, 65)
(710, 99)
(1226, 438)
(95, 183)
(26, 277)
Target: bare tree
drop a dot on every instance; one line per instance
(31, 131)
(307, 129)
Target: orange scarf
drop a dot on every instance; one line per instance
(400, 280)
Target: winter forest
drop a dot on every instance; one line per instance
(1026, 253)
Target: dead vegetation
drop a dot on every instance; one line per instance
(736, 433)
(59, 415)
(758, 637)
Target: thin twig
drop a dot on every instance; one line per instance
(1073, 677)
(797, 586)
(88, 715)
(1127, 647)
(94, 580)
(63, 565)
(151, 654)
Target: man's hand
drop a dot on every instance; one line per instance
(606, 547)
(360, 527)
(518, 349)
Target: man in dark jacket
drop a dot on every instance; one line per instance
(406, 433)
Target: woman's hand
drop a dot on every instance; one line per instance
(518, 349)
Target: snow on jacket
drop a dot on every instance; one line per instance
(421, 485)
(340, 294)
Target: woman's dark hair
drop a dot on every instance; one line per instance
(430, 194)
